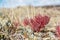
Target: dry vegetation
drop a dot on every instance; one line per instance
(30, 11)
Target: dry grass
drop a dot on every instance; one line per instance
(30, 11)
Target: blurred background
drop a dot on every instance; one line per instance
(14, 3)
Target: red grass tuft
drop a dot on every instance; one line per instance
(37, 23)
(26, 21)
(45, 20)
(34, 25)
(58, 31)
